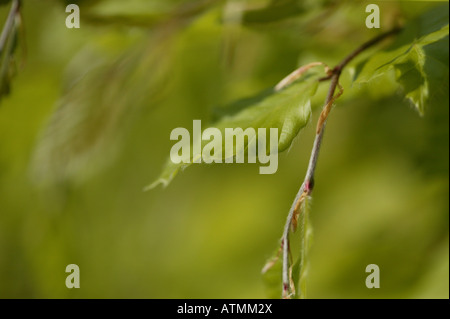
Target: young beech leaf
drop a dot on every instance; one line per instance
(299, 245)
(412, 58)
(300, 267)
(271, 274)
(288, 110)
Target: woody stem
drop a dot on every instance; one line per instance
(308, 183)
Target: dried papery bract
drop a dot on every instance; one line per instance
(295, 75)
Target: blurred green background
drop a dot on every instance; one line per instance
(71, 181)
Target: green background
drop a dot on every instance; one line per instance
(381, 192)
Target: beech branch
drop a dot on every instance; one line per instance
(308, 182)
(9, 24)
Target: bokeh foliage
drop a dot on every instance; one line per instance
(86, 126)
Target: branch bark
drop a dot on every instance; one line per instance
(308, 182)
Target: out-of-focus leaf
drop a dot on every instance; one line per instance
(278, 10)
(288, 110)
(413, 58)
(2, 2)
(91, 117)
(275, 11)
(143, 13)
(8, 47)
(7, 64)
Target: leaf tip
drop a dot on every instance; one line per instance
(162, 181)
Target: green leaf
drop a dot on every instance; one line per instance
(7, 64)
(142, 12)
(301, 242)
(300, 267)
(272, 275)
(280, 10)
(288, 110)
(102, 98)
(413, 58)
(275, 11)
(10, 36)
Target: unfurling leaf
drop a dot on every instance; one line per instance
(412, 58)
(299, 244)
(299, 269)
(271, 274)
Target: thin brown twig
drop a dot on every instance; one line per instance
(338, 68)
